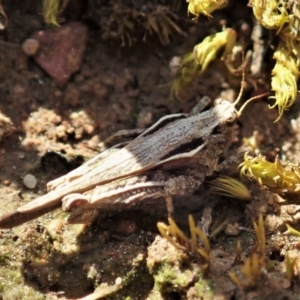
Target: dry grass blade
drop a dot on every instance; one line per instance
(230, 187)
(177, 238)
(290, 267)
(254, 264)
(52, 9)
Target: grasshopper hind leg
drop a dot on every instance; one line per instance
(181, 185)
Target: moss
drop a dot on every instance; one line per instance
(12, 285)
(204, 289)
(175, 276)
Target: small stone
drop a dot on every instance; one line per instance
(55, 227)
(6, 126)
(61, 50)
(30, 47)
(58, 93)
(125, 227)
(277, 281)
(193, 30)
(145, 118)
(118, 280)
(232, 229)
(30, 181)
(175, 65)
(21, 155)
(94, 273)
(18, 89)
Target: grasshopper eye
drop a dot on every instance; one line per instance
(231, 120)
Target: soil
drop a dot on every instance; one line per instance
(48, 128)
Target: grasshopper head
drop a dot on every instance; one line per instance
(225, 116)
(225, 112)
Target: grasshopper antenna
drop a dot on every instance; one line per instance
(250, 100)
(242, 89)
(243, 81)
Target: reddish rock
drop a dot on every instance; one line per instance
(61, 50)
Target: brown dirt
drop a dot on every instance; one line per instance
(123, 88)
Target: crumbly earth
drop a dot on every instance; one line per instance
(46, 130)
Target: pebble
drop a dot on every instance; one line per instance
(61, 50)
(145, 118)
(30, 181)
(18, 89)
(30, 47)
(21, 155)
(55, 227)
(232, 229)
(125, 227)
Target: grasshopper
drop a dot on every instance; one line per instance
(172, 157)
